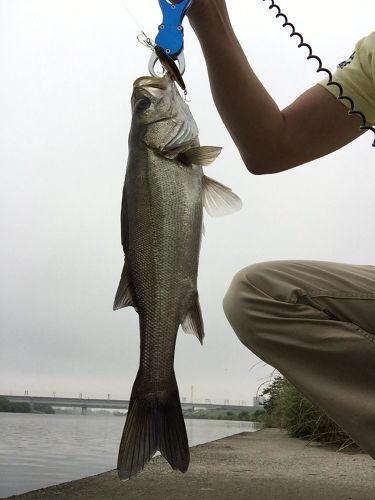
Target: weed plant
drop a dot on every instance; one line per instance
(287, 408)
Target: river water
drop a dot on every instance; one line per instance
(38, 450)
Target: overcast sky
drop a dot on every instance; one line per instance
(66, 74)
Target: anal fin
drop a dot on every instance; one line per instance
(124, 295)
(193, 322)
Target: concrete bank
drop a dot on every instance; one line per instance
(266, 464)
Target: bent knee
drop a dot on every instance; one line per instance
(279, 279)
(250, 296)
(244, 301)
(234, 297)
(250, 281)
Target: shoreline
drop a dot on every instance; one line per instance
(265, 464)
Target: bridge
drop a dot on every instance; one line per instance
(113, 404)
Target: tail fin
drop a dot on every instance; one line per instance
(154, 423)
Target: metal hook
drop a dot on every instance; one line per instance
(145, 40)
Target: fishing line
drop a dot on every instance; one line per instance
(341, 95)
(142, 37)
(130, 13)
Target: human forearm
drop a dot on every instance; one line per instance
(251, 116)
(269, 139)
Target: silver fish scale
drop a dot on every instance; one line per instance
(164, 221)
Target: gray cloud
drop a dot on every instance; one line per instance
(66, 75)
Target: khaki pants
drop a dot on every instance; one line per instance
(314, 322)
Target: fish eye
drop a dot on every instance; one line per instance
(142, 104)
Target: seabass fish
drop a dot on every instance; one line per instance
(161, 226)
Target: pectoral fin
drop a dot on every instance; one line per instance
(124, 295)
(218, 199)
(200, 155)
(193, 323)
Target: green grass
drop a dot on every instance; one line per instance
(222, 414)
(287, 408)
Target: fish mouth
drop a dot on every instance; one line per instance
(155, 82)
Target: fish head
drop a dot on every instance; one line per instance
(161, 118)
